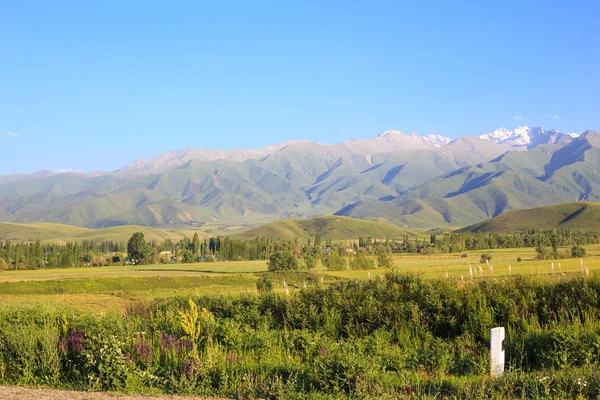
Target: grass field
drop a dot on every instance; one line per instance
(336, 228)
(578, 216)
(329, 227)
(60, 233)
(104, 289)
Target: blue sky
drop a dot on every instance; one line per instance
(95, 85)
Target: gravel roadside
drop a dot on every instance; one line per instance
(24, 393)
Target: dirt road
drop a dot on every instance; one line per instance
(22, 393)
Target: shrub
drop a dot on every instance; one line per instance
(519, 259)
(384, 259)
(333, 261)
(485, 257)
(310, 261)
(282, 261)
(263, 285)
(403, 336)
(578, 252)
(542, 253)
(360, 261)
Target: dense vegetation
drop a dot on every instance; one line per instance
(546, 242)
(333, 255)
(394, 337)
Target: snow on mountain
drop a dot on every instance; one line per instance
(521, 138)
(525, 137)
(435, 140)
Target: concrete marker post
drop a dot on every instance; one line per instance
(497, 336)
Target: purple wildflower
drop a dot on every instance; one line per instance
(75, 341)
(185, 344)
(63, 345)
(323, 352)
(170, 342)
(129, 358)
(188, 368)
(143, 351)
(167, 342)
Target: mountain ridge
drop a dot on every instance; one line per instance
(545, 175)
(411, 180)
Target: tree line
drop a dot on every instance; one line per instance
(459, 242)
(362, 254)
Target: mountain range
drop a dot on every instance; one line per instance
(408, 179)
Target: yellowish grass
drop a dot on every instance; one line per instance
(98, 303)
(107, 289)
(225, 267)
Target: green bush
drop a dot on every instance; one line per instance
(264, 285)
(282, 261)
(361, 261)
(485, 257)
(402, 336)
(384, 259)
(310, 261)
(333, 261)
(578, 252)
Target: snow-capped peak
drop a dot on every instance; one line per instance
(433, 140)
(390, 133)
(436, 140)
(526, 137)
(502, 135)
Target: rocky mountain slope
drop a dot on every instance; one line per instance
(545, 175)
(408, 179)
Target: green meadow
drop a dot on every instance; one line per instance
(114, 288)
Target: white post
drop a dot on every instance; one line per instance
(496, 352)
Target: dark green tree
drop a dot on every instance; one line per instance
(361, 261)
(136, 248)
(578, 252)
(310, 261)
(196, 244)
(333, 261)
(384, 258)
(554, 242)
(282, 260)
(187, 256)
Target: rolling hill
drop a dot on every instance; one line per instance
(50, 232)
(334, 228)
(577, 216)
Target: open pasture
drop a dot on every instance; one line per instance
(107, 289)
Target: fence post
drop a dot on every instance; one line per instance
(496, 352)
